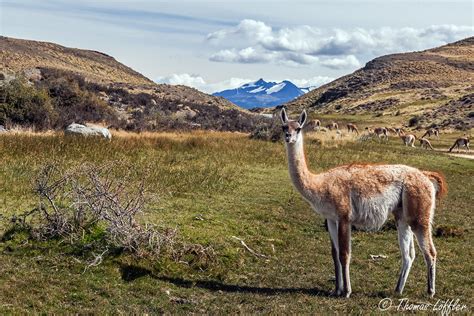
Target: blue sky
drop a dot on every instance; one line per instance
(213, 45)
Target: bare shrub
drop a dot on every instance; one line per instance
(267, 130)
(91, 208)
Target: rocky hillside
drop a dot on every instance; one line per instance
(83, 85)
(20, 55)
(435, 86)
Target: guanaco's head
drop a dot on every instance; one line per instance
(292, 129)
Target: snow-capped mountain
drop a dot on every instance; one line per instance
(262, 94)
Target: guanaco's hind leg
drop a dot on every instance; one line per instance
(425, 242)
(419, 203)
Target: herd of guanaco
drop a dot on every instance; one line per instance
(382, 133)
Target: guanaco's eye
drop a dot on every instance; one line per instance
(284, 128)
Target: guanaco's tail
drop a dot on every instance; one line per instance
(439, 182)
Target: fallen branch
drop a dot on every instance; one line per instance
(97, 261)
(256, 254)
(375, 257)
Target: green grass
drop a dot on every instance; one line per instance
(240, 187)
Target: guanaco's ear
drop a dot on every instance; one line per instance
(283, 116)
(302, 118)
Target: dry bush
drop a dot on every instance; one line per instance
(267, 129)
(92, 208)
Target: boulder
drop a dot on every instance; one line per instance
(2, 129)
(83, 130)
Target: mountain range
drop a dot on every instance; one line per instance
(426, 88)
(262, 94)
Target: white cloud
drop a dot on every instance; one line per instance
(231, 83)
(252, 55)
(198, 82)
(255, 42)
(312, 82)
(349, 61)
(247, 56)
(183, 79)
(251, 29)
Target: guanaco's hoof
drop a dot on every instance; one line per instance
(336, 293)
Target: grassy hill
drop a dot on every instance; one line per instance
(435, 85)
(75, 85)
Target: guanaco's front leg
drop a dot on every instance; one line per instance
(344, 238)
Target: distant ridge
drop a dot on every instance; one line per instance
(18, 55)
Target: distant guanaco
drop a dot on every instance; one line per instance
(408, 140)
(460, 142)
(424, 143)
(314, 125)
(332, 126)
(351, 127)
(317, 123)
(431, 131)
(381, 132)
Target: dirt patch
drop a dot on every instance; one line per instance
(467, 156)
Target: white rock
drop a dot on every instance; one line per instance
(78, 129)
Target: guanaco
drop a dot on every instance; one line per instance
(431, 131)
(363, 195)
(351, 127)
(408, 139)
(424, 143)
(332, 126)
(460, 142)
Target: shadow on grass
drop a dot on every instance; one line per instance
(131, 273)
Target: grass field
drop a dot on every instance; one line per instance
(213, 186)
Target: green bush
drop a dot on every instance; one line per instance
(26, 105)
(52, 103)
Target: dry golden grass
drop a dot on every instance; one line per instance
(331, 138)
(177, 135)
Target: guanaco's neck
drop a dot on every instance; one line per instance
(299, 173)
